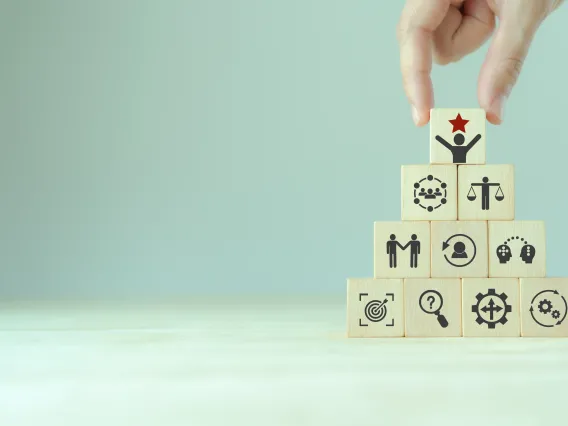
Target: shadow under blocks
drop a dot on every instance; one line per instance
(457, 263)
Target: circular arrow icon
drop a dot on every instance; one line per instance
(549, 304)
(464, 250)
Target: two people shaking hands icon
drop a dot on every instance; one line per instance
(392, 250)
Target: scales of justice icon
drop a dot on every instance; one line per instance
(485, 186)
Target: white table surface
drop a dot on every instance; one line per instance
(262, 363)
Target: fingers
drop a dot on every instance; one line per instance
(555, 5)
(463, 31)
(507, 53)
(418, 21)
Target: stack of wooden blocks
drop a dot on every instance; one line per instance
(458, 264)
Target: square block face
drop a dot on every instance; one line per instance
(486, 192)
(429, 193)
(459, 249)
(517, 249)
(544, 307)
(432, 307)
(402, 249)
(457, 136)
(490, 307)
(375, 308)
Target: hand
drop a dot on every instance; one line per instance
(450, 29)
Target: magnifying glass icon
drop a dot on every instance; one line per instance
(431, 302)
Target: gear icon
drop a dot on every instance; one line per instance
(552, 308)
(491, 308)
(545, 306)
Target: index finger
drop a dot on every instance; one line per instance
(417, 23)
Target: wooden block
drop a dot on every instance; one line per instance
(432, 307)
(457, 136)
(375, 308)
(544, 307)
(490, 307)
(402, 249)
(517, 249)
(429, 192)
(486, 192)
(459, 249)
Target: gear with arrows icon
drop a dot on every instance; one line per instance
(549, 308)
(491, 308)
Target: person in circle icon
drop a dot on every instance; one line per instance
(459, 251)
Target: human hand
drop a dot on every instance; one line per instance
(447, 30)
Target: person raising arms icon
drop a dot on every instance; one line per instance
(459, 151)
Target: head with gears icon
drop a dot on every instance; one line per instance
(505, 253)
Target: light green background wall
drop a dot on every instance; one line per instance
(158, 149)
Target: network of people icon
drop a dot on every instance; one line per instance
(430, 193)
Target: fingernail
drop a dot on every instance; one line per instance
(415, 115)
(498, 107)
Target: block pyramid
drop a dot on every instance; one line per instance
(458, 264)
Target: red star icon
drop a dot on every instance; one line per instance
(458, 123)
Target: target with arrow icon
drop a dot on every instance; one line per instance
(376, 310)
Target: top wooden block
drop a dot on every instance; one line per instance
(457, 136)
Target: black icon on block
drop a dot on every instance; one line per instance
(549, 308)
(527, 253)
(463, 250)
(430, 193)
(392, 250)
(376, 310)
(491, 308)
(485, 186)
(431, 302)
(459, 151)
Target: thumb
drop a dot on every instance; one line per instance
(506, 57)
